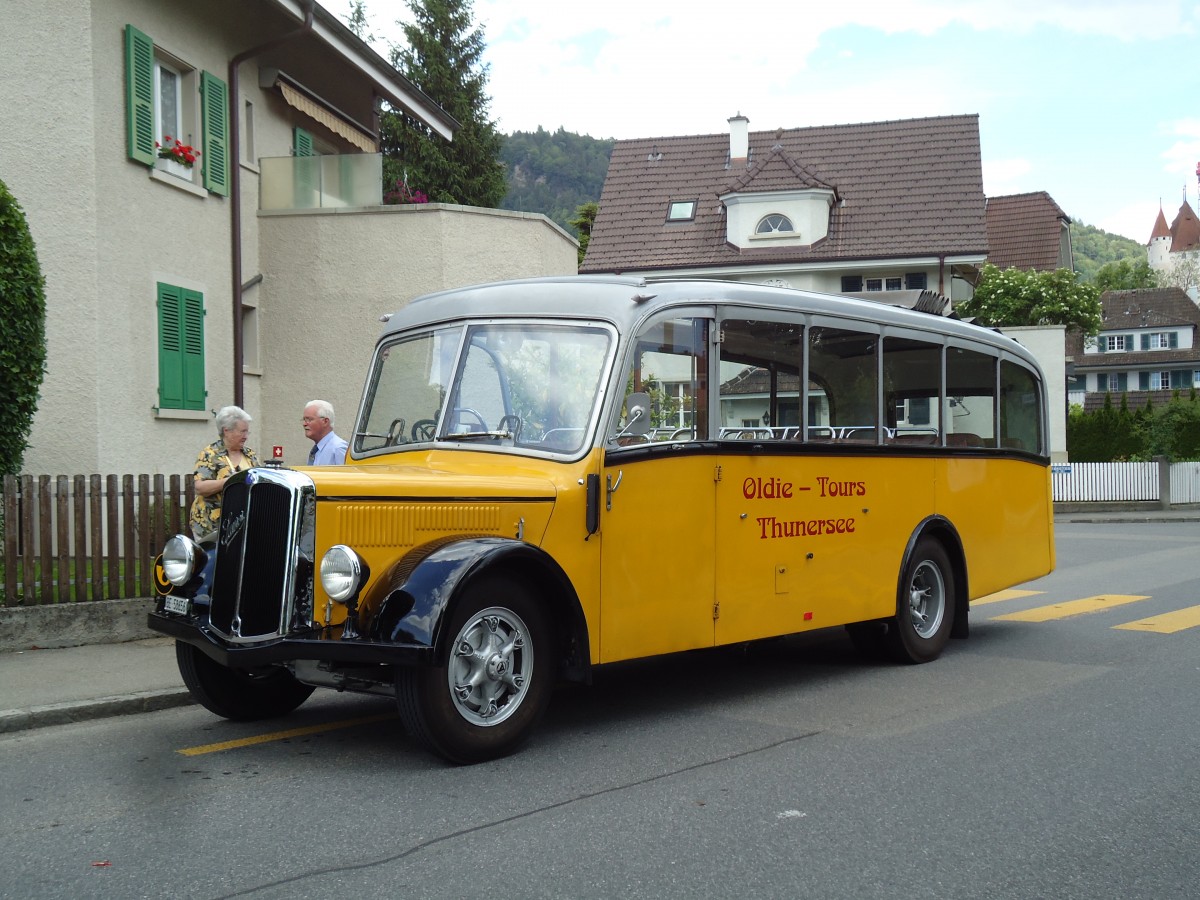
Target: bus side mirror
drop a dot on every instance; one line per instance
(637, 415)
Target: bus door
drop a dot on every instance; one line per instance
(765, 487)
(657, 488)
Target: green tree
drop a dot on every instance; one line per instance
(1125, 275)
(23, 350)
(1025, 297)
(443, 59)
(356, 19)
(554, 173)
(585, 218)
(1093, 248)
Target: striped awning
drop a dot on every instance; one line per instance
(336, 123)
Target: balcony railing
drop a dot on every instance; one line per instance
(318, 182)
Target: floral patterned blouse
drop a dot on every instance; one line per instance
(213, 463)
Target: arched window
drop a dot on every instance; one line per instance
(774, 224)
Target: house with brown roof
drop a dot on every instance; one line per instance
(1028, 231)
(877, 207)
(1148, 348)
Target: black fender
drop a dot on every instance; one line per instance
(942, 529)
(418, 595)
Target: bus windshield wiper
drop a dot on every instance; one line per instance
(474, 435)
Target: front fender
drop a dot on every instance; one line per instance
(419, 594)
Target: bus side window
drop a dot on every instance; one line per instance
(670, 365)
(759, 379)
(844, 385)
(1020, 408)
(912, 377)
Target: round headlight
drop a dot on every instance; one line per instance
(179, 559)
(341, 573)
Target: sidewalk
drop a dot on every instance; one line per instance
(54, 687)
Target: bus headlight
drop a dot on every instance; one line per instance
(341, 573)
(181, 559)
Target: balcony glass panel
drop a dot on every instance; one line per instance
(317, 182)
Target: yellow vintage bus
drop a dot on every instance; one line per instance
(550, 475)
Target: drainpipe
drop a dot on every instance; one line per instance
(235, 185)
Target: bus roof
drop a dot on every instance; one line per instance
(624, 301)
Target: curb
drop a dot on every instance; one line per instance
(85, 710)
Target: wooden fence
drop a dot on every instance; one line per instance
(87, 537)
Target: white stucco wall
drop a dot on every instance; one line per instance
(329, 276)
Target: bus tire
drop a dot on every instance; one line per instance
(925, 607)
(243, 696)
(488, 696)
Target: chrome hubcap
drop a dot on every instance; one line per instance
(490, 667)
(927, 599)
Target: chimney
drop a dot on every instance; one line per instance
(739, 140)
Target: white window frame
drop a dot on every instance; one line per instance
(185, 112)
(1115, 343)
(1160, 381)
(1160, 340)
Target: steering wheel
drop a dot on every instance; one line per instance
(395, 433)
(456, 416)
(511, 424)
(423, 429)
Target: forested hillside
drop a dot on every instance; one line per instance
(1093, 248)
(553, 173)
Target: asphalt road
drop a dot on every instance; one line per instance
(1053, 754)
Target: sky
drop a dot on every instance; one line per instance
(1096, 102)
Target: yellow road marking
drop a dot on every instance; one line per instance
(1013, 594)
(281, 735)
(1071, 608)
(1167, 623)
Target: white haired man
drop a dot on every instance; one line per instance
(328, 449)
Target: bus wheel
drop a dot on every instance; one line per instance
(925, 607)
(496, 682)
(241, 695)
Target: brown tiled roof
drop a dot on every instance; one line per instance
(1133, 399)
(1143, 308)
(1185, 230)
(905, 188)
(1025, 231)
(1160, 226)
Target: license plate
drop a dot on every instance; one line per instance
(175, 604)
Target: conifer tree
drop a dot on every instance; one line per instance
(443, 59)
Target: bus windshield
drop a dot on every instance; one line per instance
(531, 385)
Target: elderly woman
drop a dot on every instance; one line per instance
(217, 461)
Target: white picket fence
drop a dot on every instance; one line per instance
(1124, 481)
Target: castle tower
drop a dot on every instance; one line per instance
(1160, 242)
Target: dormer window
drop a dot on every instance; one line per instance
(681, 211)
(775, 224)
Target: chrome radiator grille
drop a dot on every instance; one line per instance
(262, 583)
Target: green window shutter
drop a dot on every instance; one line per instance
(180, 348)
(1174, 340)
(1101, 382)
(139, 95)
(214, 126)
(170, 346)
(302, 143)
(194, 393)
(1145, 342)
(1122, 382)
(1143, 381)
(1101, 343)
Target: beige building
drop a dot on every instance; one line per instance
(257, 273)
